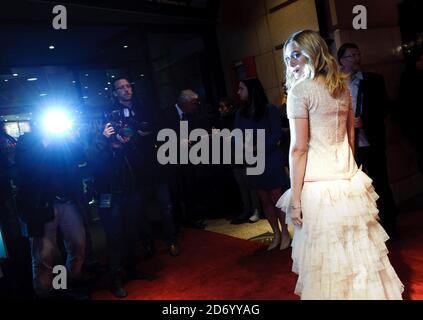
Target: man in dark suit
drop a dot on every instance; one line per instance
(183, 177)
(371, 106)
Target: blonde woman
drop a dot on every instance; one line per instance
(339, 247)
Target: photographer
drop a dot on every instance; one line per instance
(152, 179)
(49, 186)
(115, 155)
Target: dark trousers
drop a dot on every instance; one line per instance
(375, 164)
(161, 192)
(87, 220)
(121, 225)
(184, 192)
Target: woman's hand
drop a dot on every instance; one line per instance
(296, 215)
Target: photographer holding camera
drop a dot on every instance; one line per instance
(152, 178)
(49, 188)
(115, 156)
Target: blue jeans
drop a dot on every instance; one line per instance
(66, 217)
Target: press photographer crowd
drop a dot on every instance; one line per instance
(58, 184)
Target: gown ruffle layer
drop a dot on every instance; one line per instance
(340, 252)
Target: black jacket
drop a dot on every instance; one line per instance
(124, 169)
(375, 107)
(141, 151)
(111, 167)
(43, 174)
(171, 120)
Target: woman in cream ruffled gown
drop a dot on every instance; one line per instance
(338, 249)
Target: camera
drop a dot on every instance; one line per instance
(124, 124)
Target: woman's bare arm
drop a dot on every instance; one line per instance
(350, 128)
(298, 162)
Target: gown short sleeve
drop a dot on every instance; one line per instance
(297, 103)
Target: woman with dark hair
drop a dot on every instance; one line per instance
(250, 203)
(257, 114)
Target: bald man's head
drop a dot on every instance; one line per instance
(188, 101)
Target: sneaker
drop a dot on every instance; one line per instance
(255, 217)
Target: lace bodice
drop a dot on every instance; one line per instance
(329, 154)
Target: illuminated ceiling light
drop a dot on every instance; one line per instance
(86, 87)
(5, 80)
(32, 79)
(113, 76)
(15, 74)
(125, 46)
(86, 74)
(84, 97)
(43, 94)
(108, 83)
(106, 88)
(51, 47)
(142, 75)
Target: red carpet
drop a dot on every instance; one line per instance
(407, 255)
(214, 266)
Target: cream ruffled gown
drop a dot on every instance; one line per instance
(339, 252)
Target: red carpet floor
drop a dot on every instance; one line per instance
(214, 266)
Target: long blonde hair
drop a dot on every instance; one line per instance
(319, 62)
